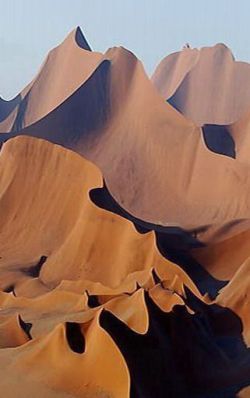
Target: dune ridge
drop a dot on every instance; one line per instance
(90, 122)
(207, 85)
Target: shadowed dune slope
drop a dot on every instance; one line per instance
(6, 107)
(207, 85)
(63, 71)
(50, 185)
(164, 156)
(89, 253)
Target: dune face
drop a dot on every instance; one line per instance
(91, 122)
(6, 107)
(208, 86)
(124, 267)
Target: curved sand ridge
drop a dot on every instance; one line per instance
(207, 85)
(62, 72)
(165, 153)
(88, 305)
(52, 187)
(83, 243)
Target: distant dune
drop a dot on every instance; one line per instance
(125, 227)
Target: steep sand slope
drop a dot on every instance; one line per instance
(211, 88)
(164, 152)
(6, 107)
(62, 72)
(45, 194)
(46, 211)
(222, 259)
(42, 219)
(236, 297)
(173, 69)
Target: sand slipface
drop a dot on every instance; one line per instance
(207, 85)
(124, 268)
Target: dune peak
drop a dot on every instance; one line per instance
(81, 40)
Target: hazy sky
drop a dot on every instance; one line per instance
(150, 28)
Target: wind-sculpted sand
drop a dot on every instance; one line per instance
(124, 226)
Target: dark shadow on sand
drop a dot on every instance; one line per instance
(34, 270)
(75, 337)
(219, 140)
(6, 107)
(184, 355)
(26, 326)
(173, 243)
(83, 113)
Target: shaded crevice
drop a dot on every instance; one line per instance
(75, 337)
(222, 320)
(172, 242)
(172, 365)
(177, 237)
(219, 140)
(6, 107)
(26, 326)
(9, 289)
(35, 270)
(92, 300)
(217, 137)
(81, 40)
(19, 120)
(174, 103)
(202, 279)
(156, 278)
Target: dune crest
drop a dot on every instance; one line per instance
(207, 85)
(90, 122)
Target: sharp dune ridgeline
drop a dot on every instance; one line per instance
(125, 227)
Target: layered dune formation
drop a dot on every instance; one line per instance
(124, 254)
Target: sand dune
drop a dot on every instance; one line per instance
(207, 85)
(63, 220)
(91, 122)
(62, 72)
(124, 268)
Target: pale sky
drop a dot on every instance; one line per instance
(150, 28)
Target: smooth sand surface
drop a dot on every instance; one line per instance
(164, 152)
(207, 85)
